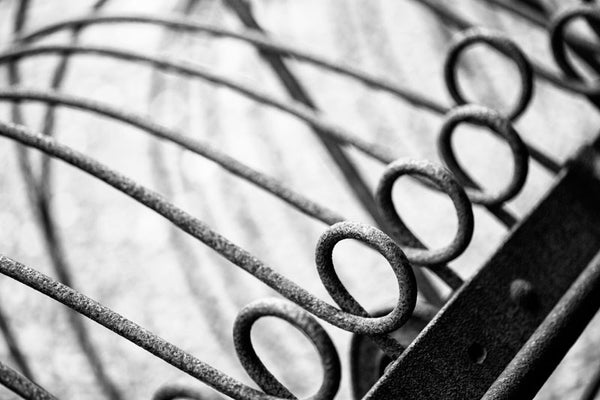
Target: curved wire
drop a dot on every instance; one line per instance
(265, 182)
(559, 51)
(518, 9)
(350, 172)
(214, 240)
(129, 330)
(12, 342)
(272, 51)
(256, 39)
(374, 150)
(484, 116)
(376, 240)
(196, 146)
(510, 49)
(284, 50)
(453, 18)
(21, 385)
(301, 320)
(442, 179)
(261, 180)
(502, 44)
(38, 191)
(303, 113)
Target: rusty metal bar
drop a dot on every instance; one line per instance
(22, 385)
(544, 350)
(485, 324)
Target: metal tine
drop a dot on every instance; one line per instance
(39, 195)
(22, 385)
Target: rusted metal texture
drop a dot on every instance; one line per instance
(485, 324)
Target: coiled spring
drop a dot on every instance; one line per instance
(404, 252)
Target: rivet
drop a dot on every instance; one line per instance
(523, 293)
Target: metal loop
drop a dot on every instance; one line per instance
(444, 181)
(381, 242)
(502, 44)
(299, 319)
(559, 50)
(484, 116)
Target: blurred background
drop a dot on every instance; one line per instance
(135, 262)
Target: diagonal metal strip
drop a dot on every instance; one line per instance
(481, 329)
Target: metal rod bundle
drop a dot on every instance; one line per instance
(402, 249)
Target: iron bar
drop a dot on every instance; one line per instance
(544, 350)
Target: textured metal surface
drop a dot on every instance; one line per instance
(538, 358)
(489, 306)
(474, 337)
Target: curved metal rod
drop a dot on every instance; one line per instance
(300, 319)
(502, 44)
(13, 74)
(38, 193)
(376, 151)
(511, 50)
(484, 116)
(442, 179)
(231, 164)
(541, 71)
(518, 9)
(21, 385)
(129, 330)
(266, 43)
(303, 113)
(557, 43)
(254, 38)
(223, 246)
